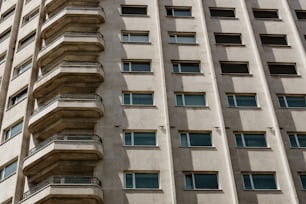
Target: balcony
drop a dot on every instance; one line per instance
(65, 190)
(85, 19)
(52, 5)
(41, 159)
(69, 77)
(76, 111)
(73, 43)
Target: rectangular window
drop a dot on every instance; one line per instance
(273, 39)
(199, 181)
(265, 13)
(136, 66)
(258, 181)
(145, 99)
(2, 57)
(222, 12)
(297, 140)
(250, 140)
(17, 98)
(243, 100)
(141, 180)
(26, 40)
(27, 18)
(179, 11)
(282, 68)
(228, 38)
(300, 14)
(287, 101)
(303, 181)
(192, 139)
(13, 130)
(8, 13)
(134, 10)
(8, 170)
(22, 68)
(139, 138)
(5, 35)
(188, 99)
(234, 67)
(186, 66)
(135, 37)
(182, 38)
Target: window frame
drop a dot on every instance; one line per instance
(234, 95)
(173, 8)
(8, 13)
(133, 6)
(177, 35)
(24, 66)
(266, 10)
(282, 64)
(195, 132)
(223, 9)
(244, 146)
(300, 11)
(296, 139)
(301, 181)
(284, 98)
(229, 43)
(12, 103)
(4, 167)
(179, 64)
(3, 57)
(190, 94)
(271, 36)
(134, 184)
(26, 40)
(251, 180)
(132, 132)
(130, 34)
(130, 63)
(140, 93)
(5, 34)
(8, 130)
(30, 16)
(235, 63)
(193, 173)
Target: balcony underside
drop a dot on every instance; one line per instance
(52, 5)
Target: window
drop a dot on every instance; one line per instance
(243, 100)
(135, 37)
(145, 99)
(182, 38)
(297, 140)
(303, 181)
(9, 201)
(22, 68)
(273, 39)
(141, 180)
(282, 68)
(17, 98)
(222, 12)
(26, 40)
(228, 38)
(188, 99)
(139, 138)
(2, 57)
(136, 66)
(265, 13)
(8, 13)
(5, 35)
(250, 140)
(8, 170)
(134, 10)
(195, 139)
(178, 11)
(27, 18)
(186, 66)
(300, 14)
(287, 101)
(258, 181)
(13, 130)
(198, 181)
(234, 67)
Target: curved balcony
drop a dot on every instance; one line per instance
(75, 110)
(86, 76)
(75, 18)
(53, 5)
(62, 148)
(65, 190)
(71, 42)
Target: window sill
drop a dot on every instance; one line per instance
(199, 147)
(188, 73)
(185, 44)
(230, 45)
(140, 72)
(193, 107)
(134, 15)
(298, 148)
(143, 190)
(186, 17)
(237, 74)
(244, 107)
(137, 147)
(286, 75)
(12, 106)
(263, 190)
(269, 19)
(293, 108)
(6, 141)
(276, 46)
(137, 43)
(139, 106)
(224, 18)
(255, 148)
(205, 190)
(1, 181)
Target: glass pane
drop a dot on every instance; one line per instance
(172, 39)
(140, 67)
(142, 99)
(206, 181)
(231, 101)
(129, 180)
(264, 181)
(239, 142)
(186, 39)
(127, 138)
(16, 129)
(147, 181)
(179, 100)
(144, 138)
(190, 67)
(126, 98)
(184, 142)
(293, 141)
(255, 140)
(200, 139)
(281, 101)
(296, 101)
(126, 66)
(188, 181)
(175, 67)
(134, 10)
(125, 38)
(182, 12)
(194, 100)
(10, 169)
(24, 68)
(303, 180)
(247, 182)
(302, 140)
(141, 37)
(246, 101)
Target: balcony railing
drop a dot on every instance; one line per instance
(63, 181)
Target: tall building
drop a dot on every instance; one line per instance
(152, 101)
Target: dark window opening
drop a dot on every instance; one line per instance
(228, 38)
(282, 69)
(234, 67)
(134, 10)
(263, 13)
(222, 12)
(273, 39)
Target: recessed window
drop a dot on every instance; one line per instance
(186, 66)
(265, 13)
(8, 170)
(2, 57)
(8, 13)
(9, 201)
(133, 138)
(30, 16)
(234, 67)
(145, 99)
(250, 140)
(17, 98)
(141, 180)
(258, 181)
(26, 40)
(282, 68)
(179, 11)
(135, 37)
(241, 100)
(228, 38)
(297, 140)
(182, 38)
(13, 131)
(22, 68)
(134, 10)
(222, 12)
(195, 139)
(5, 35)
(300, 14)
(136, 66)
(199, 181)
(303, 181)
(273, 39)
(190, 99)
(291, 101)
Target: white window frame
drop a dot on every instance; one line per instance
(285, 100)
(192, 94)
(193, 180)
(250, 174)
(177, 35)
(132, 138)
(131, 98)
(296, 139)
(134, 180)
(243, 140)
(235, 100)
(129, 33)
(179, 63)
(17, 98)
(188, 139)
(9, 130)
(2, 170)
(130, 62)
(178, 8)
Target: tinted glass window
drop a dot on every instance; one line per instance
(234, 68)
(282, 69)
(258, 13)
(219, 12)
